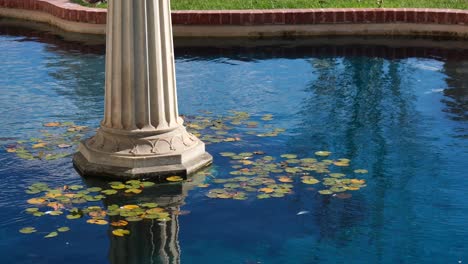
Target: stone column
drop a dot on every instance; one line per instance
(141, 134)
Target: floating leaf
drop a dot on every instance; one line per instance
(109, 192)
(266, 190)
(357, 181)
(97, 221)
(285, 179)
(76, 187)
(310, 180)
(63, 229)
(337, 175)
(341, 164)
(120, 232)
(52, 124)
(130, 207)
(118, 186)
(227, 154)
(135, 191)
(174, 179)
(362, 171)
(37, 201)
(289, 156)
(119, 223)
(32, 210)
(149, 205)
(326, 192)
(323, 153)
(51, 234)
(133, 218)
(94, 189)
(147, 184)
(203, 185)
(27, 230)
(263, 196)
(11, 150)
(39, 145)
(73, 216)
(64, 146)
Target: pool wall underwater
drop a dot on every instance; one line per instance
(258, 23)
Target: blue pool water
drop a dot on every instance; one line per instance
(401, 112)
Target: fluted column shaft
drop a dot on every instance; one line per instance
(140, 73)
(141, 134)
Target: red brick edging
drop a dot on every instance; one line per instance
(76, 13)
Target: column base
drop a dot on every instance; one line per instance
(93, 160)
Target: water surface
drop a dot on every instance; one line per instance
(399, 111)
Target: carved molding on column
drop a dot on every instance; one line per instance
(173, 142)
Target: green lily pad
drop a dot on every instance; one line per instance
(149, 205)
(118, 186)
(32, 210)
(325, 192)
(74, 216)
(263, 196)
(289, 156)
(133, 218)
(323, 153)
(109, 192)
(337, 175)
(362, 171)
(51, 234)
(63, 229)
(147, 184)
(27, 230)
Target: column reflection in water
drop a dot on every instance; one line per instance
(150, 241)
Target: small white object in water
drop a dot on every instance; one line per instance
(303, 212)
(48, 212)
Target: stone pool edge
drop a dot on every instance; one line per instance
(258, 23)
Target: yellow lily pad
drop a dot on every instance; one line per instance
(97, 221)
(310, 180)
(323, 153)
(174, 179)
(37, 201)
(52, 124)
(362, 171)
(120, 232)
(51, 234)
(130, 206)
(27, 230)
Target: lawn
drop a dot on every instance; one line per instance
(272, 4)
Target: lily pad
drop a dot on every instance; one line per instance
(120, 232)
(109, 192)
(97, 221)
(362, 171)
(51, 235)
(323, 153)
(27, 230)
(325, 192)
(289, 156)
(174, 179)
(63, 229)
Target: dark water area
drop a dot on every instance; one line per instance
(394, 106)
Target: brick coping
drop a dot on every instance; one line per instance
(65, 10)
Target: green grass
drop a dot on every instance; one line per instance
(275, 4)
(83, 3)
